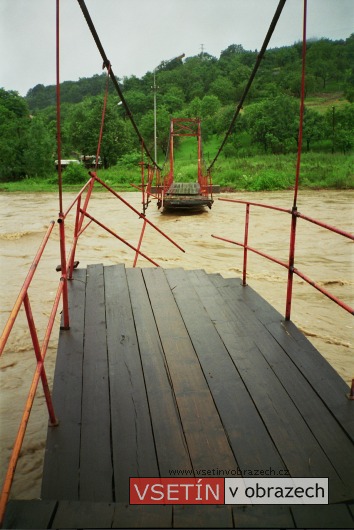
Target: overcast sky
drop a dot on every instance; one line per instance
(138, 34)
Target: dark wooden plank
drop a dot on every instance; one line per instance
(325, 380)
(205, 435)
(260, 516)
(83, 514)
(322, 376)
(62, 455)
(171, 446)
(127, 516)
(193, 516)
(134, 452)
(324, 516)
(29, 514)
(95, 455)
(338, 447)
(295, 442)
(194, 295)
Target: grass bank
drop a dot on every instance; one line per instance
(253, 173)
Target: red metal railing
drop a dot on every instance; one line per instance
(289, 265)
(295, 214)
(40, 352)
(81, 202)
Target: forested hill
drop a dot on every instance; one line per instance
(329, 67)
(202, 86)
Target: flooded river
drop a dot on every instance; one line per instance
(325, 257)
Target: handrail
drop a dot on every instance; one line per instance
(17, 306)
(288, 264)
(40, 370)
(23, 299)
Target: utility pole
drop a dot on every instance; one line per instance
(155, 124)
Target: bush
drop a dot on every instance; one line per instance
(75, 174)
(269, 180)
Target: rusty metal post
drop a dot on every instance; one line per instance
(298, 164)
(60, 184)
(5, 493)
(66, 323)
(291, 264)
(245, 243)
(140, 242)
(210, 184)
(12, 318)
(76, 236)
(201, 180)
(37, 350)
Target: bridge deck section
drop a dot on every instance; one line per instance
(167, 371)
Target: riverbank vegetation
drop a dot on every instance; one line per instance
(255, 173)
(260, 153)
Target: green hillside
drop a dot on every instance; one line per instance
(202, 86)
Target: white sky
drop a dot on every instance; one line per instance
(138, 34)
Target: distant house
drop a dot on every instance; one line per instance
(89, 161)
(64, 163)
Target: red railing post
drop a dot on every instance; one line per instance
(76, 236)
(66, 323)
(60, 183)
(351, 393)
(139, 243)
(13, 315)
(210, 184)
(37, 350)
(298, 164)
(245, 245)
(289, 289)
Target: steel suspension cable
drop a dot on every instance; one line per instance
(250, 81)
(107, 64)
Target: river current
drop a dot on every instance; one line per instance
(325, 257)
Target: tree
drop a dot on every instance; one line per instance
(322, 60)
(14, 123)
(138, 102)
(223, 88)
(40, 97)
(209, 106)
(85, 122)
(39, 150)
(339, 127)
(233, 49)
(194, 109)
(274, 123)
(313, 128)
(173, 100)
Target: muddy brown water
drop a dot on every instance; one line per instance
(324, 256)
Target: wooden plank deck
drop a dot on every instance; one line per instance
(186, 195)
(167, 370)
